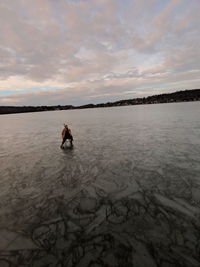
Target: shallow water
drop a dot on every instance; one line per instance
(126, 194)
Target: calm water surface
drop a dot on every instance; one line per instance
(126, 194)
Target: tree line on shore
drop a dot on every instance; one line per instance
(179, 96)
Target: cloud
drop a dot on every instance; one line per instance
(88, 49)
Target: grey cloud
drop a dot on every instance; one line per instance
(45, 44)
(41, 41)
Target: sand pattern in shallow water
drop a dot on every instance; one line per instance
(125, 196)
(105, 223)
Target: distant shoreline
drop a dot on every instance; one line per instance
(179, 96)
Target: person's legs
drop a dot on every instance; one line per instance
(71, 141)
(63, 141)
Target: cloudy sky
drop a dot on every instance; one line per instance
(92, 51)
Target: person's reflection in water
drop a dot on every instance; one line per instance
(66, 135)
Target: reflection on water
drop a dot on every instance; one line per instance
(126, 194)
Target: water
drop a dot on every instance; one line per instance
(126, 194)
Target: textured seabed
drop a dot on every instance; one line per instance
(105, 222)
(119, 202)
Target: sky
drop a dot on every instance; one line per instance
(62, 52)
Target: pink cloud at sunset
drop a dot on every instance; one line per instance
(78, 52)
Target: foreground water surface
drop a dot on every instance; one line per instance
(126, 194)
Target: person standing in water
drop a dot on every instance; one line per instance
(66, 134)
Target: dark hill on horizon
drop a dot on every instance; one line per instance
(179, 96)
